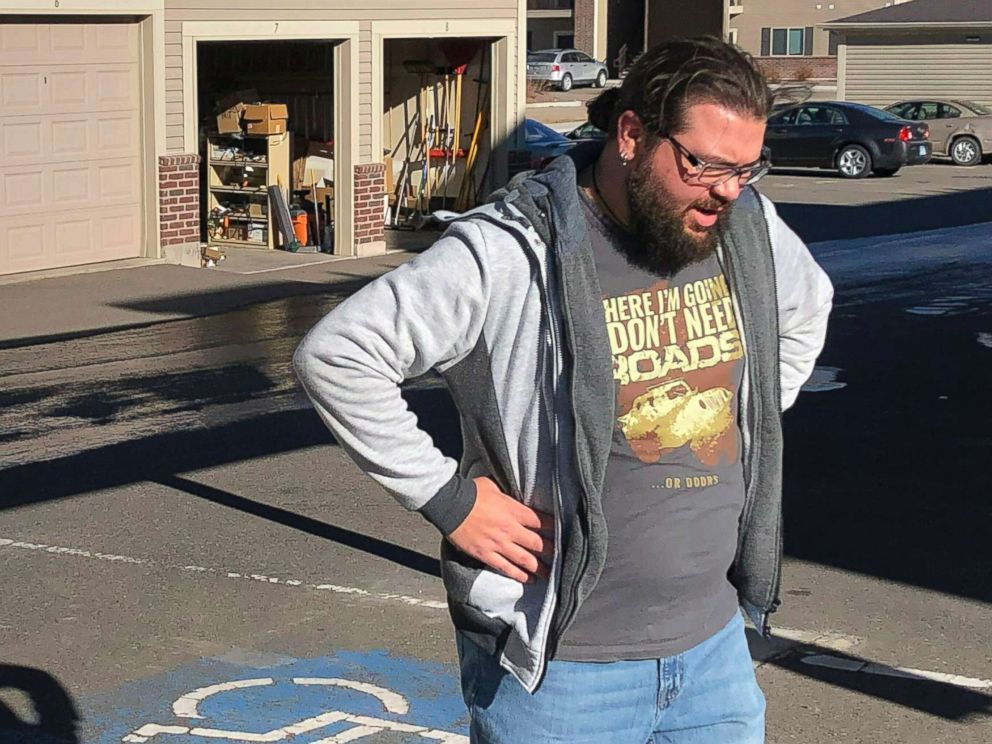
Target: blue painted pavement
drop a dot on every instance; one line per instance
(368, 697)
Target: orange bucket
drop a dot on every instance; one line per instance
(300, 226)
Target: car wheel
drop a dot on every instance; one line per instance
(566, 83)
(601, 79)
(854, 161)
(886, 172)
(966, 151)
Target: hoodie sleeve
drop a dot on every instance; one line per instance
(426, 314)
(805, 296)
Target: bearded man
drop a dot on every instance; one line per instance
(620, 332)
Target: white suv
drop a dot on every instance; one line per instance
(566, 68)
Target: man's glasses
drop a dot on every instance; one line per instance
(716, 174)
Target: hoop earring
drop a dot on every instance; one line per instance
(624, 160)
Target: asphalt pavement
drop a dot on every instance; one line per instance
(189, 557)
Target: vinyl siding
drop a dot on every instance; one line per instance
(758, 14)
(879, 74)
(178, 11)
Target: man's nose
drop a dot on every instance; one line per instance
(729, 190)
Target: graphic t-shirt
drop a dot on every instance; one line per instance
(674, 486)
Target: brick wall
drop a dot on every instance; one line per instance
(369, 192)
(179, 198)
(583, 18)
(781, 69)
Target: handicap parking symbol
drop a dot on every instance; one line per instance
(350, 697)
(358, 726)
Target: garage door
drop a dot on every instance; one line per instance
(70, 164)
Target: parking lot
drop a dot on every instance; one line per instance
(821, 205)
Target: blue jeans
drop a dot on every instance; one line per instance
(707, 695)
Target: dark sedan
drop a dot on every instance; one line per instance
(851, 138)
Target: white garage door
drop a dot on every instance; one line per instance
(70, 162)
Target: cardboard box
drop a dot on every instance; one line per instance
(229, 121)
(231, 107)
(266, 118)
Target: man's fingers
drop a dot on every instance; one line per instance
(523, 559)
(528, 539)
(499, 563)
(526, 516)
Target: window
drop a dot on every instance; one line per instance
(904, 110)
(785, 118)
(583, 58)
(780, 40)
(823, 115)
(928, 110)
(732, 35)
(787, 42)
(976, 107)
(947, 111)
(796, 41)
(564, 39)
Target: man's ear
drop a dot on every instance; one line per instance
(631, 135)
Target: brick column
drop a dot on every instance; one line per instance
(370, 181)
(583, 18)
(179, 208)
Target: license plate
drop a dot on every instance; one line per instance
(923, 150)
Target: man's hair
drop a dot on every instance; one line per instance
(669, 78)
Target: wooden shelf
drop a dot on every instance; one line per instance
(241, 218)
(233, 190)
(224, 177)
(241, 163)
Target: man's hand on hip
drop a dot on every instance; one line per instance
(506, 535)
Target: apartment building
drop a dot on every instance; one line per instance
(616, 31)
(786, 35)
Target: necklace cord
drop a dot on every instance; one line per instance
(595, 186)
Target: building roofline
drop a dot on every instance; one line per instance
(877, 25)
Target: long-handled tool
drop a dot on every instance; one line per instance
(402, 183)
(467, 195)
(460, 53)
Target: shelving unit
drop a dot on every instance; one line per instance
(239, 170)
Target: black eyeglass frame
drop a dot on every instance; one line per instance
(745, 174)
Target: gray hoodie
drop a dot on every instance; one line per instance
(508, 308)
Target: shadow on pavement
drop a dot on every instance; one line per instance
(153, 457)
(815, 222)
(909, 690)
(373, 546)
(887, 476)
(55, 716)
(159, 458)
(183, 305)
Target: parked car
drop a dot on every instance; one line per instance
(854, 139)
(543, 143)
(587, 131)
(961, 130)
(566, 68)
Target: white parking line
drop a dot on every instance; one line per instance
(257, 577)
(783, 640)
(868, 667)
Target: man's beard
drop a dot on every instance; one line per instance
(662, 243)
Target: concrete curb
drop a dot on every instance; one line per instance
(556, 104)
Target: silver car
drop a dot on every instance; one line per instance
(962, 130)
(566, 68)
